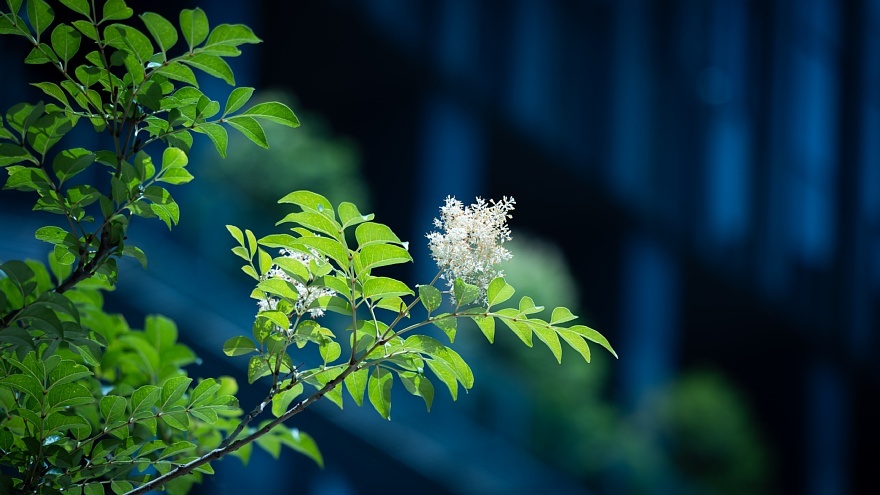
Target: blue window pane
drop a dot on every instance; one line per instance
(727, 181)
(812, 144)
(649, 318)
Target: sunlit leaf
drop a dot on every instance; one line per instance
(211, 65)
(273, 111)
(379, 391)
(194, 26)
(161, 29)
(40, 15)
(250, 128)
(302, 443)
(65, 41)
(499, 291)
(116, 10)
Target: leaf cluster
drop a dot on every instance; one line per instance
(85, 401)
(382, 344)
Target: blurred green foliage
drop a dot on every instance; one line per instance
(695, 435)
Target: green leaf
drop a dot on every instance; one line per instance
(70, 162)
(68, 371)
(418, 385)
(54, 235)
(181, 140)
(379, 391)
(276, 317)
(172, 390)
(47, 131)
(203, 392)
(236, 233)
(53, 90)
(277, 286)
(78, 6)
(275, 112)
(374, 233)
(350, 215)
(217, 134)
(11, 154)
(464, 292)
(14, 6)
(60, 422)
(576, 342)
(211, 65)
(175, 176)
(173, 158)
(7, 27)
(143, 399)
(286, 241)
(130, 40)
(527, 306)
(93, 489)
(163, 205)
(308, 200)
(328, 247)
(511, 319)
(179, 420)
(376, 255)
(549, 337)
(356, 384)
(315, 222)
(65, 41)
(136, 253)
(40, 14)
(252, 242)
(334, 395)
(258, 367)
(271, 444)
(446, 323)
(239, 346)
(378, 287)
(499, 291)
(120, 487)
(431, 297)
(112, 408)
(561, 315)
(250, 128)
(302, 443)
(265, 260)
(63, 255)
(281, 401)
(593, 335)
(27, 384)
(5, 134)
(116, 10)
(487, 326)
(231, 35)
(178, 72)
(87, 29)
(237, 99)
(69, 394)
(330, 351)
(433, 348)
(446, 375)
(194, 26)
(161, 29)
(21, 115)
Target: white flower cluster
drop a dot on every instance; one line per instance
(307, 294)
(470, 247)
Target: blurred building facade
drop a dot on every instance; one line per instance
(711, 168)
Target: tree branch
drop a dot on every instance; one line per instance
(219, 452)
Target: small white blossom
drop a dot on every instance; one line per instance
(470, 247)
(307, 293)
